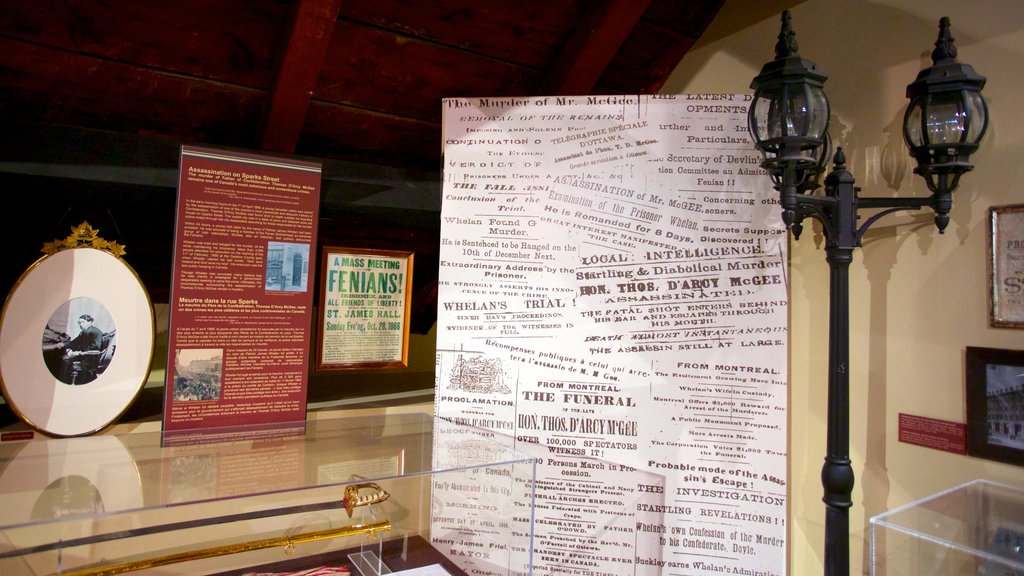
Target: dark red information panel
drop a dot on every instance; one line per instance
(242, 290)
(931, 433)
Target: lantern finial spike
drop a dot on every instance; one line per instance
(786, 46)
(945, 49)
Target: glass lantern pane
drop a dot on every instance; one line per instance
(819, 112)
(976, 117)
(798, 110)
(912, 125)
(945, 118)
(806, 111)
(754, 121)
(761, 112)
(810, 154)
(773, 121)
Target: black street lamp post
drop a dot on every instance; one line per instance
(788, 120)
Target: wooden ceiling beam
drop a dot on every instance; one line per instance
(284, 113)
(596, 41)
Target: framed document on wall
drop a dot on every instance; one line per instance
(1006, 266)
(364, 309)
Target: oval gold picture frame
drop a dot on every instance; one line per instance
(56, 300)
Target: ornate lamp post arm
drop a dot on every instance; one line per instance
(788, 120)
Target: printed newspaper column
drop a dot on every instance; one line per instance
(612, 294)
(481, 509)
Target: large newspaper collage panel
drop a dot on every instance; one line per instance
(613, 297)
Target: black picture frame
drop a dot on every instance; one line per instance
(995, 404)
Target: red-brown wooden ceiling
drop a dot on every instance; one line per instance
(97, 96)
(356, 80)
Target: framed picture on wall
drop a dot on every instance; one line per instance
(365, 301)
(995, 404)
(1006, 266)
(76, 337)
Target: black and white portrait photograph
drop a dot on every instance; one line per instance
(79, 341)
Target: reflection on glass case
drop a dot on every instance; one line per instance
(362, 495)
(974, 529)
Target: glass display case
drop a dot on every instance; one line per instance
(368, 494)
(974, 529)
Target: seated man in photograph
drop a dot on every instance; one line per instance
(82, 353)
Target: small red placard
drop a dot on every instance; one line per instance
(931, 433)
(20, 435)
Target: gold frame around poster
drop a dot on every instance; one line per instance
(1006, 266)
(356, 329)
(58, 386)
